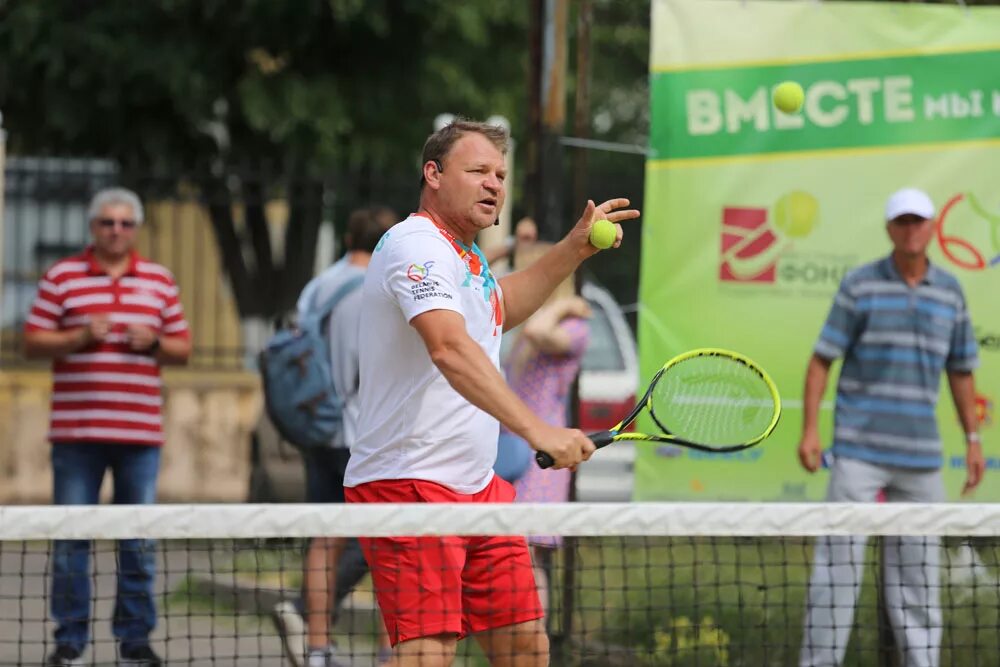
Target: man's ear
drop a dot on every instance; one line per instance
(432, 171)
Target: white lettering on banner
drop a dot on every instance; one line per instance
(976, 98)
(960, 107)
(898, 99)
(954, 105)
(755, 109)
(864, 90)
(830, 104)
(788, 121)
(814, 105)
(935, 107)
(703, 113)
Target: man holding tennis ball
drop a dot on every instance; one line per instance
(604, 234)
(431, 397)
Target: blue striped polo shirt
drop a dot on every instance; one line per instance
(895, 340)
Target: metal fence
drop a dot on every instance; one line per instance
(45, 220)
(205, 226)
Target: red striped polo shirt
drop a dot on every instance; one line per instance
(106, 392)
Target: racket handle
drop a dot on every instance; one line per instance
(543, 460)
(601, 439)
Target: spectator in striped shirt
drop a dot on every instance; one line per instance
(108, 319)
(897, 323)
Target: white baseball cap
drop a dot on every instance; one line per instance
(909, 200)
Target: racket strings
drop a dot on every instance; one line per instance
(714, 400)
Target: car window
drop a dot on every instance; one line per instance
(603, 352)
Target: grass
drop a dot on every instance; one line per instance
(677, 602)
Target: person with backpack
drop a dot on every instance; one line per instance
(317, 412)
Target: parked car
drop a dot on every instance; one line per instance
(607, 386)
(609, 378)
(610, 370)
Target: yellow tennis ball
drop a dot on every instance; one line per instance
(603, 234)
(789, 96)
(796, 214)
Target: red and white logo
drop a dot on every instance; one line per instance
(750, 247)
(753, 239)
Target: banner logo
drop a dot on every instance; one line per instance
(752, 243)
(974, 242)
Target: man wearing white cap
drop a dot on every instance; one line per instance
(896, 323)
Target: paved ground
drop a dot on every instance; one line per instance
(190, 632)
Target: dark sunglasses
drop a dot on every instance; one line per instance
(111, 222)
(908, 222)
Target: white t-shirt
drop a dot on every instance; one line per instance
(413, 424)
(342, 331)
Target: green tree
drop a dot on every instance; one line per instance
(307, 85)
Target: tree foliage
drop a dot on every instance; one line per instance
(307, 85)
(312, 81)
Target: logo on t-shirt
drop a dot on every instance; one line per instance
(417, 272)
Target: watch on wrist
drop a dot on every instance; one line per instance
(972, 439)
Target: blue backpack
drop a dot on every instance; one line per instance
(295, 367)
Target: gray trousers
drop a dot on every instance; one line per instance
(911, 566)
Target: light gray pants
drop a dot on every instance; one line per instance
(911, 567)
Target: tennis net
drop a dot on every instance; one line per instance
(631, 584)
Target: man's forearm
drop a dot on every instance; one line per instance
(526, 290)
(963, 392)
(54, 344)
(174, 350)
(471, 373)
(817, 374)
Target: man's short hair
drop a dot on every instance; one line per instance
(113, 196)
(365, 226)
(439, 144)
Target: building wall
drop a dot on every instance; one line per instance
(208, 419)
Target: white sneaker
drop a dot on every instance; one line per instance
(326, 658)
(292, 630)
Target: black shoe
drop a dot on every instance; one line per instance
(64, 656)
(140, 656)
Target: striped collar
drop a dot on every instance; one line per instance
(95, 269)
(887, 268)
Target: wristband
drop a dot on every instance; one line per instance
(972, 439)
(154, 348)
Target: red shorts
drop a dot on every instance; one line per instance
(428, 586)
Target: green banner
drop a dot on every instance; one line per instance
(752, 217)
(857, 103)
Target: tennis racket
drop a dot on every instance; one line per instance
(708, 399)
